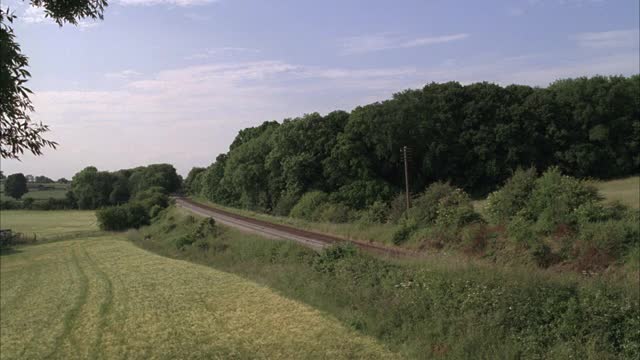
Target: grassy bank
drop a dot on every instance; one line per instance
(424, 310)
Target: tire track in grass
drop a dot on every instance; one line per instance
(71, 316)
(38, 334)
(104, 309)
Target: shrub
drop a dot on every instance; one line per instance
(455, 210)
(122, 217)
(474, 238)
(592, 211)
(424, 210)
(397, 208)
(375, 214)
(403, 233)
(325, 262)
(10, 204)
(362, 193)
(308, 204)
(155, 211)
(521, 231)
(614, 237)
(335, 213)
(554, 199)
(286, 202)
(505, 203)
(153, 196)
(199, 234)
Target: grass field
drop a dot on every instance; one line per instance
(103, 297)
(49, 223)
(627, 190)
(54, 190)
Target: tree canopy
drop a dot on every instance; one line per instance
(472, 136)
(18, 133)
(15, 185)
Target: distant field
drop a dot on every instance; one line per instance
(55, 190)
(48, 223)
(626, 190)
(106, 298)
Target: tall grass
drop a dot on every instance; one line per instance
(425, 310)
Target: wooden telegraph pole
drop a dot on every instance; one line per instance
(406, 176)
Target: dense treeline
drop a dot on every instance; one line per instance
(93, 189)
(126, 198)
(473, 136)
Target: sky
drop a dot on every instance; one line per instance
(173, 81)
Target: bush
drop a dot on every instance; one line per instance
(10, 204)
(505, 203)
(284, 205)
(403, 233)
(397, 208)
(474, 238)
(325, 261)
(154, 196)
(309, 204)
(455, 210)
(424, 210)
(554, 199)
(204, 229)
(334, 213)
(363, 193)
(155, 211)
(122, 217)
(375, 214)
(592, 211)
(521, 231)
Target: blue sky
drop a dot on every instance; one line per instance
(174, 80)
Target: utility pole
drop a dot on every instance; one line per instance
(406, 177)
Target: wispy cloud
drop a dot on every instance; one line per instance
(222, 51)
(123, 75)
(608, 39)
(183, 3)
(379, 42)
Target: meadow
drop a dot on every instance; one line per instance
(47, 224)
(103, 297)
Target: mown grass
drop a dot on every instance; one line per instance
(626, 191)
(426, 309)
(105, 298)
(45, 224)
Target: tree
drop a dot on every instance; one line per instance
(17, 131)
(16, 185)
(62, 181)
(30, 178)
(43, 179)
(1, 175)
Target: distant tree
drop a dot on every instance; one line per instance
(17, 132)
(30, 178)
(1, 175)
(62, 181)
(190, 183)
(43, 180)
(16, 185)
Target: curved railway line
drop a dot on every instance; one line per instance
(278, 231)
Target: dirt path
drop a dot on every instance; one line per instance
(278, 231)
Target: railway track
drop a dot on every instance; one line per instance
(278, 231)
